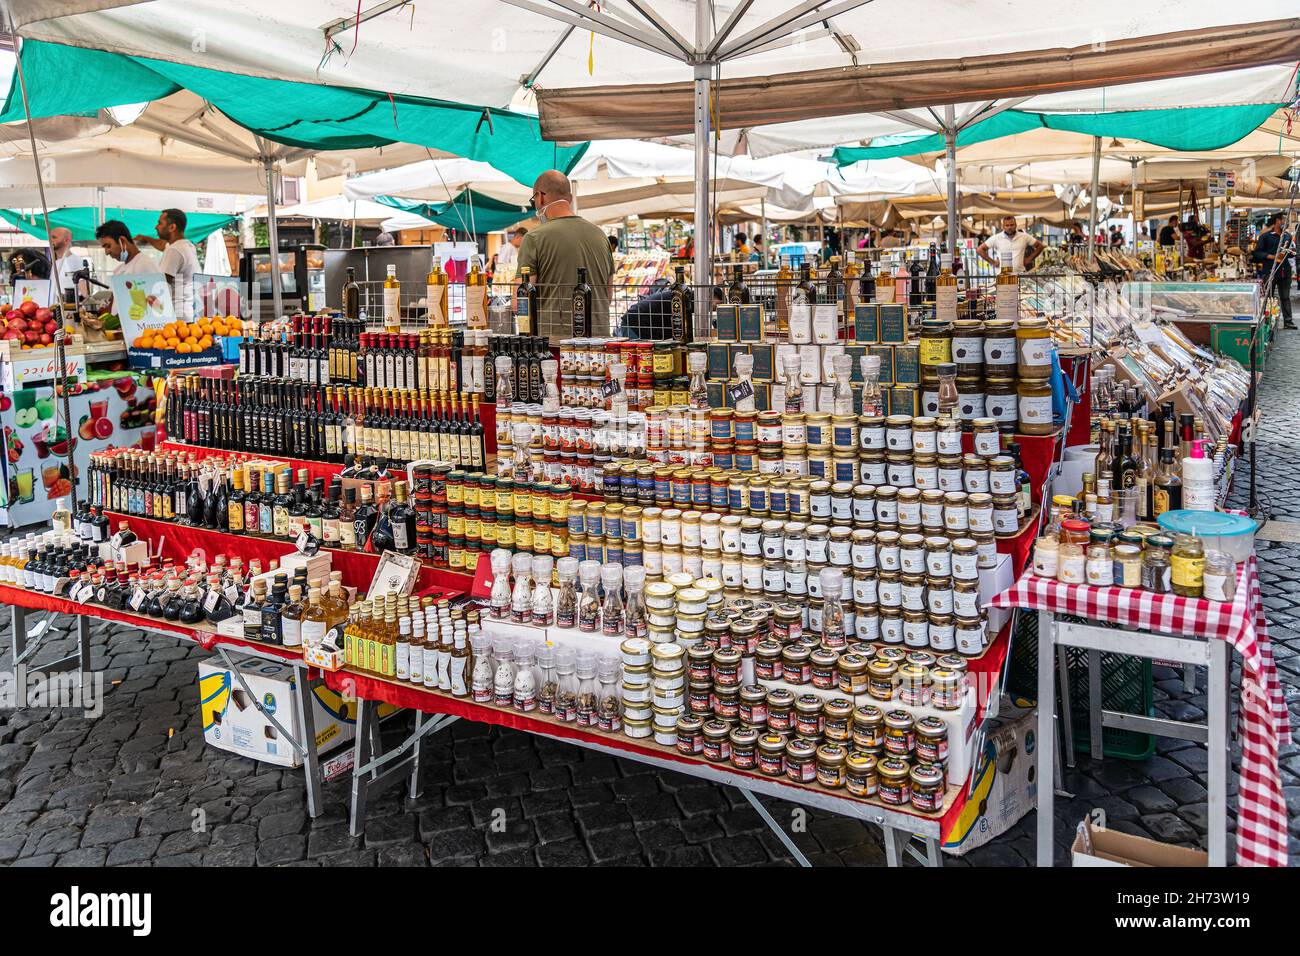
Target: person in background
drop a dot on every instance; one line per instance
(67, 263)
(1023, 247)
(1195, 235)
(1169, 232)
(1076, 239)
(115, 239)
(1116, 236)
(562, 244)
(613, 244)
(756, 248)
(385, 239)
(1272, 256)
(180, 260)
(508, 254)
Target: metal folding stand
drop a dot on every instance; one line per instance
(1055, 633)
(375, 768)
(27, 643)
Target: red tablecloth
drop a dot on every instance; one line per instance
(1264, 721)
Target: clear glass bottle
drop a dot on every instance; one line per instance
(697, 389)
(588, 704)
(611, 612)
(503, 677)
(547, 688)
(499, 599)
(834, 635)
(482, 676)
(589, 599)
(525, 678)
(609, 717)
(791, 366)
(551, 388)
(566, 602)
(843, 391)
(872, 402)
(566, 686)
(521, 595)
(543, 611)
(635, 622)
(947, 372)
(744, 365)
(505, 383)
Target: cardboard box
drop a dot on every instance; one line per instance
(1112, 848)
(231, 720)
(1005, 783)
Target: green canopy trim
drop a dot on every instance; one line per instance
(470, 212)
(81, 220)
(1190, 129)
(64, 80)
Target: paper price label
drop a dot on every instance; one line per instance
(740, 391)
(611, 388)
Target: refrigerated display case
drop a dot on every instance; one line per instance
(302, 278)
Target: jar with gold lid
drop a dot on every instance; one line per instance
(837, 718)
(968, 346)
(913, 684)
(753, 705)
(882, 679)
(851, 674)
(1034, 407)
(744, 748)
(946, 689)
(796, 663)
(894, 781)
(868, 728)
(717, 741)
(831, 759)
(822, 663)
(931, 740)
(800, 761)
(771, 754)
(860, 774)
(900, 737)
(927, 790)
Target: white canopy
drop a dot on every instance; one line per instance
(331, 207)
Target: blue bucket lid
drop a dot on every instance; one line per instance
(1205, 524)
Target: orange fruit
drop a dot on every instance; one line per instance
(184, 348)
(205, 343)
(140, 342)
(172, 342)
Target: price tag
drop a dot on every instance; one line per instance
(137, 600)
(306, 543)
(611, 388)
(83, 593)
(739, 392)
(210, 602)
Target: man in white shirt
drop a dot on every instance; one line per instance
(179, 262)
(66, 263)
(508, 254)
(1023, 247)
(115, 239)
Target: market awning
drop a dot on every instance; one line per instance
(82, 221)
(469, 212)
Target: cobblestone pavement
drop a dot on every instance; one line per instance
(124, 789)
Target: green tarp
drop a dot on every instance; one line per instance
(64, 80)
(469, 212)
(81, 220)
(1193, 129)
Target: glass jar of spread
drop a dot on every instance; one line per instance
(771, 755)
(925, 436)
(935, 342)
(1006, 515)
(699, 698)
(1187, 566)
(717, 741)
(780, 710)
(808, 715)
(831, 758)
(837, 719)
(931, 740)
(753, 705)
(909, 507)
(726, 703)
(891, 625)
(945, 689)
(968, 346)
(852, 674)
(690, 735)
(860, 774)
(1126, 564)
(926, 788)
(900, 738)
(868, 728)
(913, 684)
(1001, 397)
(822, 663)
(882, 677)
(767, 660)
(796, 663)
(800, 761)
(893, 781)
(744, 748)
(1034, 349)
(1035, 407)
(1000, 347)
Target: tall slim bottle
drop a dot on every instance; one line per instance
(435, 287)
(581, 306)
(392, 302)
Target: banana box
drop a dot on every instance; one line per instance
(233, 720)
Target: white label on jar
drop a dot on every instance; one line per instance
(968, 349)
(899, 439)
(950, 479)
(942, 637)
(873, 438)
(965, 567)
(1100, 572)
(1001, 407)
(925, 442)
(1036, 410)
(815, 617)
(840, 553)
(909, 512)
(981, 519)
(926, 477)
(796, 583)
(970, 405)
(931, 515)
(1006, 521)
(773, 580)
(751, 543)
(864, 589)
(988, 553)
(794, 550)
(887, 511)
(842, 508)
(914, 597)
(1072, 569)
(938, 564)
(916, 634)
(955, 517)
(868, 627)
(940, 600)
(965, 603)
(889, 593)
(1002, 482)
(888, 556)
(1036, 353)
(731, 576)
(817, 548)
(872, 472)
(769, 466)
(773, 545)
(929, 403)
(988, 444)
(912, 560)
(864, 510)
(751, 576)
(769, 434)
(819, 506)
(690, 535)
(949, 441)
(1002, 349)
(794, 434)
(1217, 587)
(891, 630)
(864, 555)
(900, 474)
(970, 640)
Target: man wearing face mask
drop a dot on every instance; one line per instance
(556, 249)
(115, 239)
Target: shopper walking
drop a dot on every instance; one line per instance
(1273, 254)
(558, 248)
(1169, 232)
(179, 262)
(1023, 247)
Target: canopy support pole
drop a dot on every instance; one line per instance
(762, 249)
(950, 162)
(1133, 201)
(272, 238)
(703, 130)
(1092, 194)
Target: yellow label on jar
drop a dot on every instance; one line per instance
(935, 351)
(1187, 572)
(663, 363)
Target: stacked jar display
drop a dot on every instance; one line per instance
(471, 514)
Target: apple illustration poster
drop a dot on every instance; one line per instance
(38, 290)
(113, 410)
(154, 337)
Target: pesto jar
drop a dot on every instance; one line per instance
(900, 735)
(860, 778)
(868, 728)
(831, 759)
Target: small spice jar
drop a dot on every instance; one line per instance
(900, 736)
(690, 735)
(894, 782)
(882, 678)
(767, 661)
(860, 774)
(808, 715)
(753, 705)
(780, 710)
(717, 741)
(926, 788)
(771, 755)
(831, 759)
(868, 728)
(800, 761)
(931, 740)
(945, 689)
(837, 719)
(744, 748)
(725, 702)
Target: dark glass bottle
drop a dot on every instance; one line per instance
(581, 305)
(401, 517)
(364, 518)
(381, 536)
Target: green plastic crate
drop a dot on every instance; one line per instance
(1126, 685)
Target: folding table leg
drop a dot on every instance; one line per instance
(1095, 726)
(362, 752)
(1216, 742)
(415, 788)
(1067, 711)
(1047, 736)
(306, 712)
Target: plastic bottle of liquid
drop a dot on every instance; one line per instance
(1198, 480)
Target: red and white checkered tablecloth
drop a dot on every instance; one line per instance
(1264, 722)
